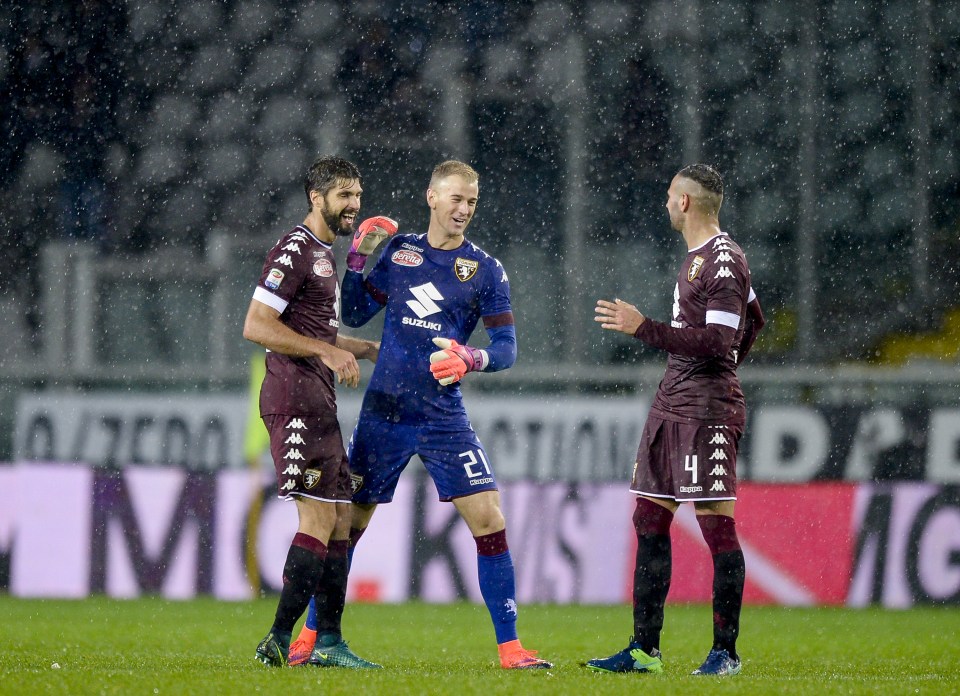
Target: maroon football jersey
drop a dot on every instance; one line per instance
(299, 280)
(712, 288)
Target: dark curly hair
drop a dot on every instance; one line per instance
(326, 173)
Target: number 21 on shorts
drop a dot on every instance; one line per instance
(472, 462)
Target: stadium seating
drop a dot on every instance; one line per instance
(225, 102)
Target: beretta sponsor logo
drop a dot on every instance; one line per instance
(323, 268)
(406, 258)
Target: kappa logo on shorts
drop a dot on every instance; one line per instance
(718, 470)
(356, 482)
(465, 268)
(311, 477)
(695, 267)
(718, 486)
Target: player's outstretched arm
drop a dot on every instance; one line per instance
(361, 348)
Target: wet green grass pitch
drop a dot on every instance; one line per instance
(156, 646)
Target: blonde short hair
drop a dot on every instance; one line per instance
(451, 168)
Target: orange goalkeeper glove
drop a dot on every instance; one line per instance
(369, 234)
(453, 361)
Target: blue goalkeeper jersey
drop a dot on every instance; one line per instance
(428, 293)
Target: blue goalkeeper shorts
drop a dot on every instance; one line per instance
(379, 451)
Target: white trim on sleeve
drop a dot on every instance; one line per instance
(268, 298)
(715, 316)
(752, 296)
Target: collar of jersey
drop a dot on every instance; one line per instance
(314, 237)
(722, 234)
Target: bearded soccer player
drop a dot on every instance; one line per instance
(688, 450)
(295, 315)
(436, 287)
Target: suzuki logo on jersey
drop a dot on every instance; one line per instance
(695, 267)
(411, 259)
(426, 295)
(466, 268)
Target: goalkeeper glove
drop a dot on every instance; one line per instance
(369, 234)
(453, 361)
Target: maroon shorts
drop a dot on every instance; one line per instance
(687, 461)
(309, 457)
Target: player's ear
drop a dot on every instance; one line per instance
(431, 195)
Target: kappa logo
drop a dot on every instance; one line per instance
(292, 246)
(274, 278)
(695, 267)
(718, 439)
(724, 272)
(718, 486)
(289, 485)
(311, 477)
(285, 260)
(294, 454)
(411, 247)
(724, 257)
(425, 304)
(718, 470)
(719, 454)
(296, 424)
(295, 439)
(323, 268)
(356, 482)
(721, 241)
(403, 257)
(291, 470)
(465, 268)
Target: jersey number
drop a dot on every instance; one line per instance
(690, 464)
(472, 462)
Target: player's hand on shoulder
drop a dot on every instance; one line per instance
(618, 316)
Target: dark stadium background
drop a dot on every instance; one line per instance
(153, 151)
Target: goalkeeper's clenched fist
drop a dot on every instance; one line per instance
(369, 234)
(453, 360)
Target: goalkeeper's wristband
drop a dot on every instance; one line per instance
(453, 361)
(356, 261)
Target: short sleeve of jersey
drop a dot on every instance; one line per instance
(284, 271)
(495, 297)
(726, 282)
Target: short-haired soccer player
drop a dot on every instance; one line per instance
(688, 450)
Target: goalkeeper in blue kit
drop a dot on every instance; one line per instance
(435, 287)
